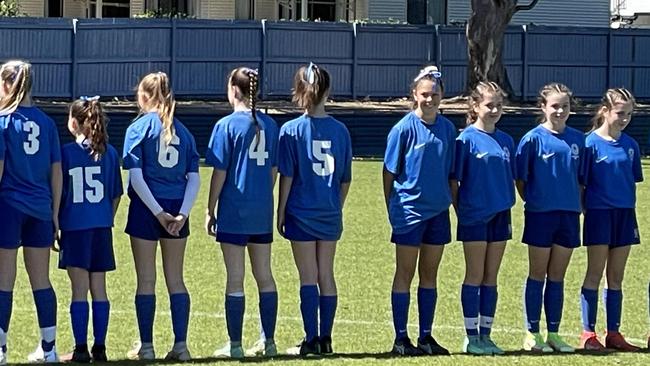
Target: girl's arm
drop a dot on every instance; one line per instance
(453, 189)
(345, 188)
(116, 204)
(388, 179)
(521, 189)
(285, 188)
(56, 184)
(216, 185)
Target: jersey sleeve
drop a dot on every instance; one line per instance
(347, 173)
(132, 153)
(286, 153)
(523, 157)
(55, 146)
(192, 154)
(395, 146)
(219, 148)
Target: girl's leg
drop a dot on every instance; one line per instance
(260, 256)
(101, 314)
(326, 250)
(429, 261)
(79, 310)
(144, 255)
(475, 252)
(305, 257)
(489, 294)
(596, 261)
(173, 257)
(406, 258)
(37, 263)
(613, 296)
(7, 281)
(234, 259)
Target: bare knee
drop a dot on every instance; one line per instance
(615, 279)
(265, 281)
(327, 283)
(146, 285)
(592, 279)
(473, 276)
(403, 278)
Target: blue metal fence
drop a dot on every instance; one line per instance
(108, 56)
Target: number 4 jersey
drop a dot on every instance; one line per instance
(164, 166)
(29, 145)
(317, 154)
(245, 205)
(89, 187)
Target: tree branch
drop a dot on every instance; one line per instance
(526, 7)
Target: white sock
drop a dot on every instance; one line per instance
(48, 334)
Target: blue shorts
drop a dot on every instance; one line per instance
(141, 223)
(543, 229)
(19, 229)
(434, 231)
(616, 227)
(243, 239)
(90, 249)
(498, 228)
(293, 232)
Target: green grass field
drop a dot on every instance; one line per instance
(364, 268)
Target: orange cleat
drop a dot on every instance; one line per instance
(589, 342)
(616, 341)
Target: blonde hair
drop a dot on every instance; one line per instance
(156, 86)
(476, 97)
(18, 74)
(610, 99)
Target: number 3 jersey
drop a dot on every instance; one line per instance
(89, 187)
(245, 204)
(164, 166)
(317, 154)
(29, 145)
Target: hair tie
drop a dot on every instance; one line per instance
(89, 99)
(310, 73)
(428, 71)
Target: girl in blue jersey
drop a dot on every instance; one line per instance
(92, 186)
(547, 165)
(160, 155)
(315, 163)
(30, 195)
(243, 152)
(486, 192)
(611, 167)
(417, 187)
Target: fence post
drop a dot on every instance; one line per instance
(437, 45)
(172, 52)
(524, 65)
(265, 79)
(73, 67)
(354, 60)
(610, 68)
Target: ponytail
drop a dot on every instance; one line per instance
(156, 86)
(247, 81)
(18, 74)
(92, 120)
(310, 84)
(611, 97)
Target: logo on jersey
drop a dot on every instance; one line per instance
(546, 156)
(506, 154)
(630, 153)
(575, 152)
(601, 159)
(481, 155)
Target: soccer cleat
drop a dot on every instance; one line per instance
(141, 352)
(263, 348)
(589, 342)
(230, 350)
(558, 344)
(616, 341)
(404, 347)
(326, 346)
(429, 346)
(535, 343)
(80, 354)
(98, 353)
(473, 345)
(489, 347)
(39, 356)
(179, 353)
(3, 357)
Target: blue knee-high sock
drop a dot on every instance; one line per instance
(45, 301)
(6, 303)
(179, 305)
(469, 299)
(101, 314)
(268, 312)
(533, 298)
(488, 299)
(613, 300)
(400, 302)
(235, 306)
(327, 313)
(427, 298)
(145, 311)
(589, 307)
(309, 310)
(79, 318)
(553, 304)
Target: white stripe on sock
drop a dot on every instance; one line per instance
(471, 323)
(48, 334)
(486, 321)
(3, 338)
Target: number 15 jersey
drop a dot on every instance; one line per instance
(164, 166)
(317, 154)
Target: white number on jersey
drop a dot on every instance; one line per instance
(32, 145)
(325, 165)
(168, 154)
(257, 151)
(79, 175)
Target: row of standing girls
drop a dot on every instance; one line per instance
(75, 191)
(558, 173)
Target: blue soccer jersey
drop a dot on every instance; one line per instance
(609, 172)
(246, 200)
(317, 154)
(421, 157)
(549, 164)
(485, 171)
(164, 167)
(89, 187)
(30, 146)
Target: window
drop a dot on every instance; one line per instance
(168, 6)
(426, 11)
(326, 10)
(245, 9)
(54, 8)
(109, 9)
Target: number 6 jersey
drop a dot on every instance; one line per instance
(29, 145)
(317, 154)
(245, 204)
(89, 187)
(164, 166)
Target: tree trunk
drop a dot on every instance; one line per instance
(485, 31)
